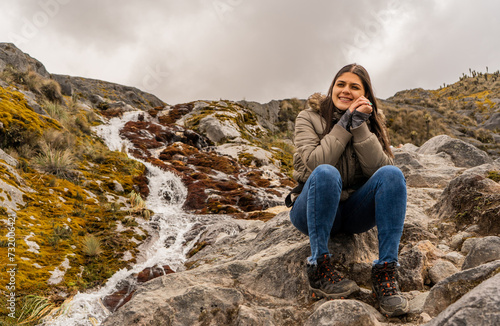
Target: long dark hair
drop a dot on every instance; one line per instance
(327, 108)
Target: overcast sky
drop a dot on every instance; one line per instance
(259, 50)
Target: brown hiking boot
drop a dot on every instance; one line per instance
(385, 287)
(325, 282)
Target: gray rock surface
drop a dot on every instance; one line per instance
(457, 285)
(10, 55)
(462, 154)
(441, 270)
(479, 307)
(344, 313)
(485, 250)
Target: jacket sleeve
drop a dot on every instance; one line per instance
(369, 150)
(315, 151)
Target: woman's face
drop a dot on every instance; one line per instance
(348, 87)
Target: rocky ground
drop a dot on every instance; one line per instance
(247, 262)
(449, 255)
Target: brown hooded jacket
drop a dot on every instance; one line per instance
(356, 154)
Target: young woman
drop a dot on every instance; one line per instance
(347, 184)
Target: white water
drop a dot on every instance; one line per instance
(167, 195)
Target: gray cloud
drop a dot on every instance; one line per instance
(258, 50)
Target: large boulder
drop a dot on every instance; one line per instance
(479, 307)
(344, 313)
(425, 170)
(461, 153)
(472, 199)
(457, 285)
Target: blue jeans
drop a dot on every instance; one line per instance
(381, 201)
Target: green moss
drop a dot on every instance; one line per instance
(494, 175)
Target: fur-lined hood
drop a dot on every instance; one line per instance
(314, 101)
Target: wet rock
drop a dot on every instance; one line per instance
(485, 250)
(150, 273)
(455, 286)
(441, 270)
(479, 307)
(344, 313)
(461, 153)
(122, 295)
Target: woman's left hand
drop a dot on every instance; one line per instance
(362, 104)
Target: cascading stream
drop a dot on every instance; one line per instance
(167, 195)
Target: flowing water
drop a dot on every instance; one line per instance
(167, 195)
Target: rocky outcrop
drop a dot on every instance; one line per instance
(462, 154)
(105, 95)
(480, 307)
(10, 55)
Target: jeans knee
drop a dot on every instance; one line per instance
(327, 172)
(391, 174)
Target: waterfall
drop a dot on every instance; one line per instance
(167, 195)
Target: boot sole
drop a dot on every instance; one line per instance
(317, 293)
(397, 312)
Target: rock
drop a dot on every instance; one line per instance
(218, 130)
(441, 270)
(8, 159)
(344, 313)
(253, 155)
(479, 307)
(457, 285)
(425, 171)
(471, 199)
(150, 273)
(493, 123)
(455, 257)
(462, 154)
(414, 262)
(468, 245)
(10, 55)
(267, 114)
(118, 298)
(89, 88)
(413, 233)
(417, 303)
(485, 250)
(458, 239)
(117, 186)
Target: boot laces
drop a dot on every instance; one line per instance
(327, 271)
(386, 279)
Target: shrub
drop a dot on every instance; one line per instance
(34, 308)
(91, 245)
(57, 162)
(51, 90)
(56, 111)
(34, 82)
